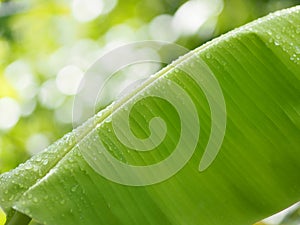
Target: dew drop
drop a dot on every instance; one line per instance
(38, 159)
(28, 167)
(70, 139)
(271, 40)
(73, 189)
(71, 160)
(208, 55)
(35, 200)
(35, 168)
(269, 32)
(45, 162)
(108, 119)
(66, 167)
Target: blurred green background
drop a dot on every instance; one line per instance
(45, 47)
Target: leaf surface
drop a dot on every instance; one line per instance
(254, 175)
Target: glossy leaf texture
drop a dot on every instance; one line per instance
(255, 174)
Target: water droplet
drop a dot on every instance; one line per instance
(28, 166)
(73, 189)
(35, 168)
(271, 40)
(108, 119)
(62, 202)
(71, 160)
(66, 167)
(35, 200)
(46, 197)
(29, 196)
(38, 159)
(70, 139)
(45, 162)
(27, 211)
(208, 55)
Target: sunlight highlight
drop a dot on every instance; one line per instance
(193, 14)
(9, 113)
(86, 10)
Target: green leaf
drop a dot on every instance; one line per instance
(291, 218)
(91, 177)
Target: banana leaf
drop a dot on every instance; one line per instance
(213, 138)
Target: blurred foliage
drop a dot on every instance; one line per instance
(38, 39)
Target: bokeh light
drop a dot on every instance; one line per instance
(36, 143)
(9, 113)
(49, 95)
(161, 28)
(86, 10)
(193, 14)
(68, 79)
